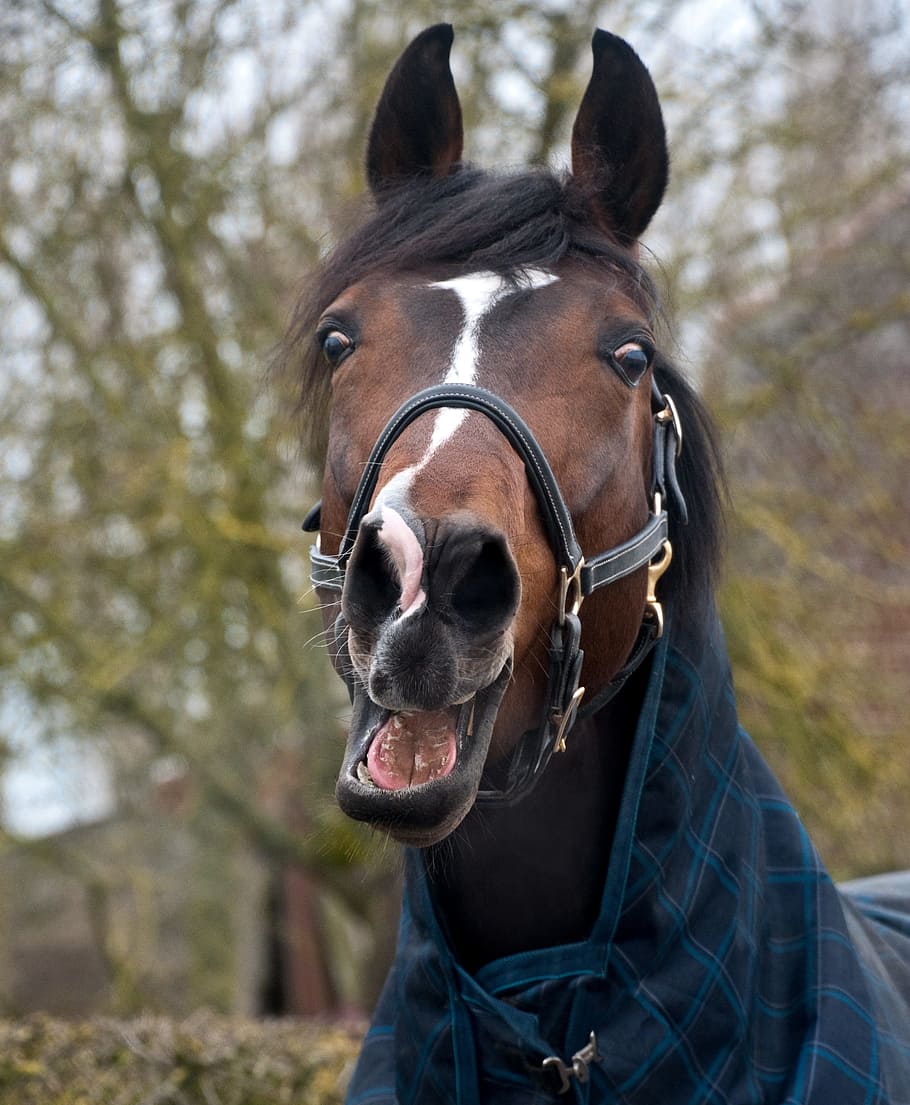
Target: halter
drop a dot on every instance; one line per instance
(579, 576)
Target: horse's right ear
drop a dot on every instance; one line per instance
(417, 128)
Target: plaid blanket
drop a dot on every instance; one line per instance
(725, 967)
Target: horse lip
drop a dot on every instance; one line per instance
(427, 812)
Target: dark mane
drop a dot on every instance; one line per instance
(505, 223)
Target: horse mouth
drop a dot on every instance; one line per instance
(416, 774)
(411, 748)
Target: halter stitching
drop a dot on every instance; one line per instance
(608, 558)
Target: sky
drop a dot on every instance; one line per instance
(47, 787)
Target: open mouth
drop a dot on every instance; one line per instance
(411, 748)
(416, 774)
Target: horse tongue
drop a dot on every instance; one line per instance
(410, 749)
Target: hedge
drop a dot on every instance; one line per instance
(204, 1060)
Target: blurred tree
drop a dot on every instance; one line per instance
(172, 169)
(802, 296)
(151, 556)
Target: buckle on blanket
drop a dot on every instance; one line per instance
(578, 1067)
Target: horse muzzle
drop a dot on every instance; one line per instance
(412, 813)
(427, 632)
(429, 621)
(416, 774)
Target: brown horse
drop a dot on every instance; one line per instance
(516, 483)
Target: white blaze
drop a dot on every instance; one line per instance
(407, 556)
(479, 293)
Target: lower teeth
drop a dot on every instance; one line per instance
(363, 774)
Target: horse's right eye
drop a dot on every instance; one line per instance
(335, 345)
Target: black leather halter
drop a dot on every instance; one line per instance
(579, 576)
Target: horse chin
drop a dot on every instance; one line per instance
(416, 775)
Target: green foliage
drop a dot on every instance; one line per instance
(809, 375)
(205, 1060)
(153, 578)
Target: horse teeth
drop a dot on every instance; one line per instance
(363, 774)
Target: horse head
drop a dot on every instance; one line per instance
(452, 518)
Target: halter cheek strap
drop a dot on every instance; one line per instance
(579, 576)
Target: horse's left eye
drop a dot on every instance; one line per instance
(633, 360)
(334, 346)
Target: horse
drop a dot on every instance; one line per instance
(607, 896)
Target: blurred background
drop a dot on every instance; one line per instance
(169, 726)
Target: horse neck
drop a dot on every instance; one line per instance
(515, 878)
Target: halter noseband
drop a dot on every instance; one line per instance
(579, 577)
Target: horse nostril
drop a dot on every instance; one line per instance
(487, 594)
(372, 587)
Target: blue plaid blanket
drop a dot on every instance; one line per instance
(725, 967)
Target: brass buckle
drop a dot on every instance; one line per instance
(671, 414)
(570, 583)
(655, 570)
(563, 719)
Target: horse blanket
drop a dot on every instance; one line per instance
(725, 967)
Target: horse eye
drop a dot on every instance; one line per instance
(633, 360)
(334, 346)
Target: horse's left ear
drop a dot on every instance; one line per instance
(417, 127)
(619, 146)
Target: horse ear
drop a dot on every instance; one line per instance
(619, 146)
(417, 127)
